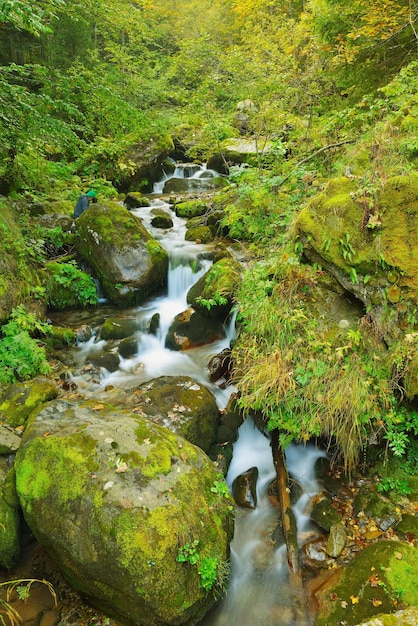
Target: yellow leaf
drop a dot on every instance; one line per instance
(376, 602)
(399, 556)
(354, 599)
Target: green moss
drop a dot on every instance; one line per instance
(402, 575)
(54, 464)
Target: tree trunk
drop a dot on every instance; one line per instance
(289, 530)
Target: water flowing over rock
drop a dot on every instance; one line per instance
(113, 498)
(129, 263)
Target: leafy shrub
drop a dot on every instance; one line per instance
(67, 286)
(22, 356)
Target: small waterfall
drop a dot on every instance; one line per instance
(259, 592)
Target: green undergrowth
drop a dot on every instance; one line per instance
(303, 374)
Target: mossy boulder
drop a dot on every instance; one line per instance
(237, 150)
(323, 513)
(113, 498)
(161, 219)
(191, 208)
(380, 579)
(363, 237)
(129, 263)
(118, 328)
(19, 400)
(214, 293)
(191, 329)
(199, 234)
(135, 200)
(10, 518)
(184, 406)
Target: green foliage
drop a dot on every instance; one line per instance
(21, 356)
(399, 485)
(213, 572)
(68, 286)
(188, 553)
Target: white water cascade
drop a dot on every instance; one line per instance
(258, 592)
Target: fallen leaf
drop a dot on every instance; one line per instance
(333, 596)
(123, 467)
(147, 441)
(354, 599)
(344, 604)
(399, 556)
(376, 602)
(374, 580)
(98, 407)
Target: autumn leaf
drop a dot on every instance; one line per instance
(374, 580)
(354, 599)
(98, 407)
(344, 604)
(376, 602)
(399, 556)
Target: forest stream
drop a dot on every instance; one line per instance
(259, 593)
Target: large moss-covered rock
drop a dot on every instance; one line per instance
(363, 237)
(184, 406)
(9, 517)
(19, 400)
(114, 498)
(383, 572)
(129, 263)
(214, 293)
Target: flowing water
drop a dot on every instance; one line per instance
(258, 592)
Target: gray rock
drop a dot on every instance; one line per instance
(336, 540)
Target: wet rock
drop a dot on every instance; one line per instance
(314, 554)
(244, 489)
(19, 400)
(84, 333)
(108, 360)
(220, 366)
(190, 329)
(226, 434)
(128, 347)
(184, 406)
(118, 328)
(161, 219)
(154, 324)
(323, 513)
(135, 200)
(336, 540)
(111, 495)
